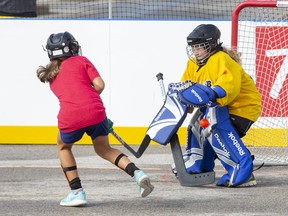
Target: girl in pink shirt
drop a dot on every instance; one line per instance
(77, 84)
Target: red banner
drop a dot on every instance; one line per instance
(272, 69)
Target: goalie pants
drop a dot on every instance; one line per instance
(220, 139)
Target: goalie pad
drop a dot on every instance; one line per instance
(201, 154)
(168, 119)
(229, 148)
(197, 95)
(220, 139)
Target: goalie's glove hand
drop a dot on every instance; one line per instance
(197, 95)
(110, 125)
(176, 87)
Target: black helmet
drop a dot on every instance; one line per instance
(62, 45)
(206, 36)
(205, 33)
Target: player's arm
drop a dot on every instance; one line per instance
(98, 84)
(230, 81)
(94, 76)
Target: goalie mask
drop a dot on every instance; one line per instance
(203, 42)
(62, 45)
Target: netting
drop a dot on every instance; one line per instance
(123, 9)
(21, 8)
(263, 41)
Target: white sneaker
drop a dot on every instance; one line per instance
(143, 182)
(73, 200)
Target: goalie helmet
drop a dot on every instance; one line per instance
(62, 45)
(205, 36)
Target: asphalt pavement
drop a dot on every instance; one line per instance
(32, 183)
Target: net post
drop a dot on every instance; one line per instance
(235, 16)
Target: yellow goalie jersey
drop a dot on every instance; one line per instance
(242, 97)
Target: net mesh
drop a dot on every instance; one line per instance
(263, 42)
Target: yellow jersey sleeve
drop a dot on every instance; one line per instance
(242, 97)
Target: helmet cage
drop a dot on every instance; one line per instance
(205, 36)
(200, 60)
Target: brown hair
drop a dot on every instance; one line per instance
(50, 71)
(236, 56)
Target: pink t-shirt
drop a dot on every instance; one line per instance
(80, 104)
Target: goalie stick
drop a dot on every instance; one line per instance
(185, 179)
(162, 87)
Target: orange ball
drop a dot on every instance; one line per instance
(204, 123)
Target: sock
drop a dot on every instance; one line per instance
(77, 191)
(130, 169)
(75, 184)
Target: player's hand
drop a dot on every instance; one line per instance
(110, 125)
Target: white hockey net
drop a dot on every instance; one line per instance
(260, 33)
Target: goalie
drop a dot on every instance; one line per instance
(225, 95)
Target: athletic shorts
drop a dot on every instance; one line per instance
(100, 129)
(241, 124)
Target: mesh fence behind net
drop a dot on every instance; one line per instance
(136, 9)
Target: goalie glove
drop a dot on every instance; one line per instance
(197, 95)
(179, 86)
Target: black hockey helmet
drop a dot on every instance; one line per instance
(206, 36)
(205, 33)
(62, 45)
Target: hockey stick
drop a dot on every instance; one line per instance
(142, 147)
(147, 138)
(124, 143)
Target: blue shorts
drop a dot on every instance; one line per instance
(100, 129)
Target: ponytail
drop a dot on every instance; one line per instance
(233, 54)
(50, 71)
